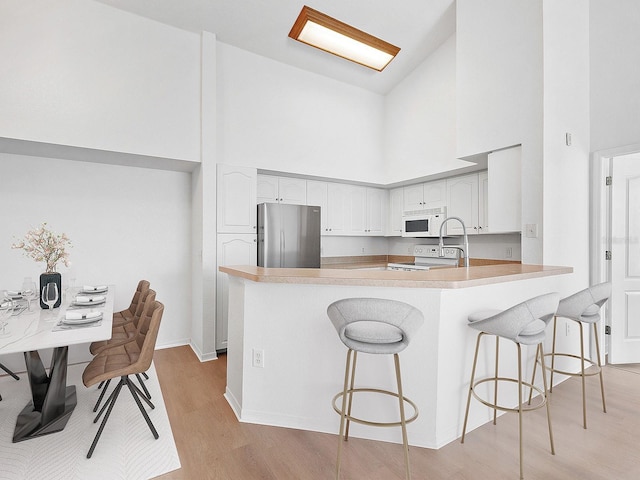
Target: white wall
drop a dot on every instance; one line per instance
(276, 117)
(420, 119)
(125, 224)
(615, 76)
(566, 109)
(499, 88)
(80, 73)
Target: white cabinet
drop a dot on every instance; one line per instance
(463, 202)
(355, 210)
(236, 199)
(425, 195)
(377, 201)
(271, 189)
(317, 195)
(232, 249)
(483, 202)
(504, 192)
(338, 215)
(396, 208)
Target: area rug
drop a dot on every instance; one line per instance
(126, 450)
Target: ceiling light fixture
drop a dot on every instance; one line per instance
(326, 33)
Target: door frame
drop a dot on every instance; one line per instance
(600, 241)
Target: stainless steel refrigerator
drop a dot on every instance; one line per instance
(288, 236)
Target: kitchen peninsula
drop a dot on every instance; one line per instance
(285, 361)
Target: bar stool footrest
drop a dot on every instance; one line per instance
(526, 407)
(371, 423)
(591, 363)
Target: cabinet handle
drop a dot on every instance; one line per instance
(280, 199)
(254, 227)
(255, 241)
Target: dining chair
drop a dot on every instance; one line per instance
(129, 358)
(127, 314)
(121, 335)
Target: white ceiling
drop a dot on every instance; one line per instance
(262, 26)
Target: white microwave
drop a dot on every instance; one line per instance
(423, 223)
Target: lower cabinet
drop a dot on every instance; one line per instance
(232, 249)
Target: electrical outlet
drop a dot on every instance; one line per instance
(509, 252)
(567, 327)
(258, 358)
(362, 249)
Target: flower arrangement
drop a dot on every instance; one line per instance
(43, 245)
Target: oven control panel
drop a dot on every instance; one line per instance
(433, 251)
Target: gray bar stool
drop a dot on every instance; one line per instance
(377, 326)
(524, 324)
(581, 307)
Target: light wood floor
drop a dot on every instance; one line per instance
(212, 444)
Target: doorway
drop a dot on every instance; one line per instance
(615, 254)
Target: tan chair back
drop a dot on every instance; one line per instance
(143, 286)
(147, 334)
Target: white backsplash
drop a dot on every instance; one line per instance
(480, 246)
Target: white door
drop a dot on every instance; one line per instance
(232, 249)
(625, 260)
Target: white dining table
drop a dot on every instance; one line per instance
(53, 401)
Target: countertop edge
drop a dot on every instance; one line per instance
(439, 278)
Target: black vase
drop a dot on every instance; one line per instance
(48, 278)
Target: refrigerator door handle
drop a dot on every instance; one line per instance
(282, 248)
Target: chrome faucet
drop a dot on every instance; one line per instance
(465, 250)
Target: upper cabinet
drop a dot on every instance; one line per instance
(317, 195)
(463, 202)
(236, 199)
(504, 201)
(355, 210)
(376, 211)
(396, 208)
(425, 195)
(488, 201)
(271, 189)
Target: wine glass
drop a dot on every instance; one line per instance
(50, 294)
(6, 309)
(28, 291)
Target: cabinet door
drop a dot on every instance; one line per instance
(396, 207)
(377, 200)
(414, 197)
(483, 202)
(504, 190)
(435, 194)
(317, 195)
(231, 250)
(462, 202)
(357, 210)
(267, 189)
(236, 199)
(338, 208)
(292, 190)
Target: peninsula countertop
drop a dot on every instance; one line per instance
(460, 277)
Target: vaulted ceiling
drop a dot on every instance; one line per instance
(261, 26)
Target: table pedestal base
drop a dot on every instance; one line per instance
(29, 423)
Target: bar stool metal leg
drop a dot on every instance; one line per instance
(343, 413)
(351, 384)
(519, 407)
(546, 397)
(595, 336)
(473, 374)
(403, 423)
